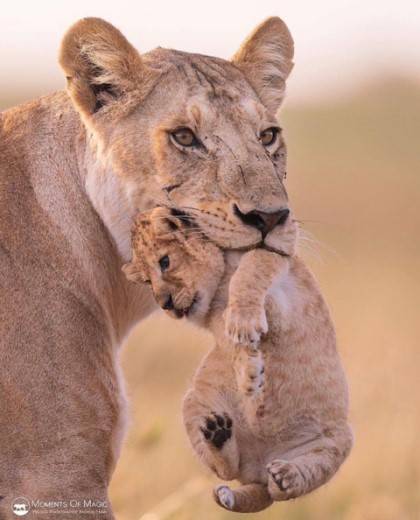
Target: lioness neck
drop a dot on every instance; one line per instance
(56, 197)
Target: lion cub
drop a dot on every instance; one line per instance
(292, 436)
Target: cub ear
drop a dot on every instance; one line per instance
(266, 60)
(99, 63)
(133, 271)
(164, 221)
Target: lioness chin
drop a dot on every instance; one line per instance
(194, 133)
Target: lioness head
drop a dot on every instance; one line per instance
(182, 266)
(192, 132)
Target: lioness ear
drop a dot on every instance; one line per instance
(266, 60)
(99, 63)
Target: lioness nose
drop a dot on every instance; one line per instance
(262, 220)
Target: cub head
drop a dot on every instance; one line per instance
(181, 265)
(187, 131)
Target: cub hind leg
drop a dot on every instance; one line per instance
(300, 471)
(211, 430)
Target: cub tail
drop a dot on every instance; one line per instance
(249, 498)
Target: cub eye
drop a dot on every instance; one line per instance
(164, 263)
(184, 137)
(268, 137)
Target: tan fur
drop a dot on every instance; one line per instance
(291, 437)
(75, 167)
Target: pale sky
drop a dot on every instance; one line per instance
(339, 43)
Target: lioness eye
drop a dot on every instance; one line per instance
(164, 263)
(184, 137)
(268, 137)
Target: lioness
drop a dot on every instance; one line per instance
(130, 131)
(288, 434)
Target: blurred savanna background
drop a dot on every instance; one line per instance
(352, 123)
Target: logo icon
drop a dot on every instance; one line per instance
(21, 506)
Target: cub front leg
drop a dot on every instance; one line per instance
(245, 318)
(249, 370)
(211, 430)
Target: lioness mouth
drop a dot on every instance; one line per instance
(262, 245)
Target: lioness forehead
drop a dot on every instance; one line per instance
(218, 77)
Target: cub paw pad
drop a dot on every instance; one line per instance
(217, 429)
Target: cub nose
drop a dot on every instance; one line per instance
(262, 220)
(169, 304)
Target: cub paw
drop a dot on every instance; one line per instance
(217, 430)
(245, 326)
(288, 479)
(224, 497)
(249, 370)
